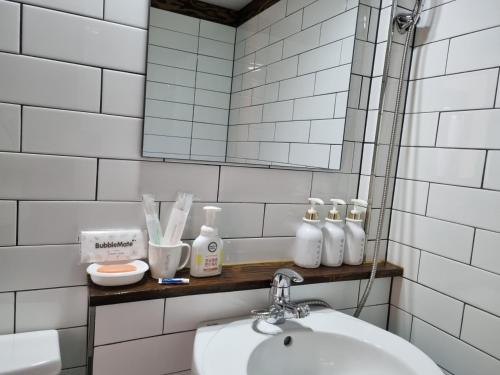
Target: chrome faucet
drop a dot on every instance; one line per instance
(281, 307)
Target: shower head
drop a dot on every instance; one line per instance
(407, 20)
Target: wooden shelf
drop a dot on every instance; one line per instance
(233, 278)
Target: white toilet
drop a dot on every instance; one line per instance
(30, 353)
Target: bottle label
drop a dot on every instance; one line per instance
(211, 263)
(212, 247)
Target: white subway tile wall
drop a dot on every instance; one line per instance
(70, 149)
(297, 64)
(444, 230)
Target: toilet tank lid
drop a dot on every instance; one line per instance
(30, 352)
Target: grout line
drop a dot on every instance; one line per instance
(17, 223)
(101, 92)
(97, 180)
(427, 200)
(484, 168)
(21, 17)
(473, 243)
(21, 118)
(462, 320)
(447, 56)
(15, 312)
(496, 92)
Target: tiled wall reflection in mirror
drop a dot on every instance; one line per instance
(273, 91)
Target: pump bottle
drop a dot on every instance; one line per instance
(355, 234)
(333, 237)
(309, 238)
(207, 253)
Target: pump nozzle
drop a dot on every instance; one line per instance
(359, 208)
(210, 214)
(311, 213)
(334, 214)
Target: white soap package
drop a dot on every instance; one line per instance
(112, 245)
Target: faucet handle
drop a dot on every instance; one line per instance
(290, 274)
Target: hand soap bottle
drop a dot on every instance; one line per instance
(333, 237)
(207, 253)
(355, 234)
(309, 238)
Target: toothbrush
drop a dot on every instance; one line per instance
(152, 221)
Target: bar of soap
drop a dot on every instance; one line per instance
(116, 268)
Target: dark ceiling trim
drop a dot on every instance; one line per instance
(214, 13)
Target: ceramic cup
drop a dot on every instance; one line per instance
(165, 260)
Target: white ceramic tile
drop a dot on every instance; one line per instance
(292, 131)
(259, 185)
(341, 105)
(469, 284)
(128, 12)
(61, 222)
(320, 58)
(10, 25)
(283, 219)
(376, 315)
(136, 178)
(216, 31)
(261, 132)
(400, 323)
(265, 94)
(215, 66)
(449, 166)
(454, 203)
(215, 48)
(208, 307)
(257, 41)
(167, 127)
(137, 320)
(30, 176)
(491, 177)
(237, 133)
(166, 146)
(206, 147)
(92, 8)
(252, 250)
(8, 223)
(269, 54)
(300, 42)
(473, 51)
(471, 90)
(339, 295)
(485, 254)
(10, 127)
(322, 10)
(247, 115)
(27, 76)
(67, 37)
(339, 27)
(236, 220)
(297, 87)
(429, 60)
(437, 236)
(247, 29)
(171, 57)
(80, 134)
(335, 156)
(410, 196)
(314, 108)
(174, 76)
(328, 185)
(55, 308)
(6, 313)
(481, 330)
(272, 14)
(211, 115)
(159, 355)
(379, 294)
(433, 307)
(172, 39)
(278, 111)
(286, 27)
(212, 99)
(168, 92)
(168, 110)
(254, 78)
(294, 5)
(245, 150)
(282, 70)
(244, 64)
(420, 129)
(174, 21)
(450, 352)
(241, 99)
(274, 152)
(73, 345)
(122, 93)
(213, 82)
(363, 53)
(209, 131)
(313, 155)
(327, 131)
(57, 266)
(239, 50)
(456, 130)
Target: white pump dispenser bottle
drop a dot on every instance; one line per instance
(207, 253)
(333, 237)
(355, 234)
(309, 238)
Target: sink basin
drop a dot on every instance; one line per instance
(327, 342)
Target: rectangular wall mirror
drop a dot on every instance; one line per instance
(270, 86)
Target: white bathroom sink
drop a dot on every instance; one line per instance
(327, 342)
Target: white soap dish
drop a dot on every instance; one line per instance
(118, 278)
